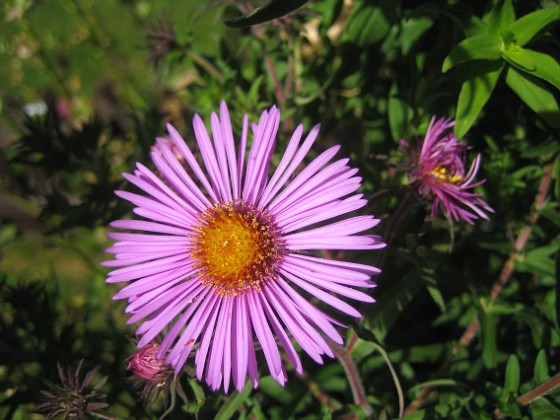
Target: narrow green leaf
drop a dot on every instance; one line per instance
(381, 316)
(540, 371)
(412, 30)
(511, 382)
(272, 10)
(501, 16)
(488, 339)
(542, 408)
(475, 92)
(400, 115)
(535, 94)
(538, 64)
(479, 47)
(369, 22)
(235, 401)
(428, 275)
(533, 25)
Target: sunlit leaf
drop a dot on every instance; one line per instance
(501, 15)
(533, 25)
(370, 22)
(475, 92)
(535, 63)
(535, 94)
(480, 47)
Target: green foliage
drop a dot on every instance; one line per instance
(86, 87)
(503, 40)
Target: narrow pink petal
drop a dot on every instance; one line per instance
(262, 330)
(227, 136)
(221, 156)
(208, 156)
(146, 226)
(191, 160)
(241, 330)
(281, 334)
(324, 296)
(175, 173)
(242, 152)
(202, 352)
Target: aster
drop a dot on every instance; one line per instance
(152, 377)
(222, 262)
(440, 174)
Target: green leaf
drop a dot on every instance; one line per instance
(399, 114)
(412, 30)
(533, 25)
(501, 16)
(369, 23)
(428, 275)
(511, 382)
(381, 316)
(535, 95)
(544, 150)
(542, 408)
(488, 339)
(475, 92)
(235, 401)
(535, 63)
(479, 47)
(270, 11)
(538, 261)
(540, 371)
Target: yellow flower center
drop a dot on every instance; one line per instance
(440, 172)
(236, 248)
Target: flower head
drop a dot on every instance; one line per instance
(72, 397)
(224, 256)
(153, 376)
(145, 364)
(439, 171)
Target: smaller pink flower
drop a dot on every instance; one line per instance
(439, 172)
(147, 365)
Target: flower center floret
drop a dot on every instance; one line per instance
(236, 248)
(443, 174)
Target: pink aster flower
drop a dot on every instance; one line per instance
(439, 171)
(145, 364)
(222, 262)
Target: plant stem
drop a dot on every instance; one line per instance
(353, 375)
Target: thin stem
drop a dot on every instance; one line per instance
(396, 380)
(353, 375)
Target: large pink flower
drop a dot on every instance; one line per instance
(224, 253)
(440, 173)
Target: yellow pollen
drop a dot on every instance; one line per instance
(236, 248)
(440, 172)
